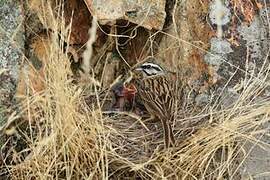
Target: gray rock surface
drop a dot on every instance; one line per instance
(11, 50)
(256, 35)
(249, 57)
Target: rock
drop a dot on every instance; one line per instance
(11, 49)
(219, 49)
(202, 99)
(149, 14)
(219, 13)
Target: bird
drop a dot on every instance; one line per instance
(157, 89)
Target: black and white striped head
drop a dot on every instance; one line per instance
(149, 69)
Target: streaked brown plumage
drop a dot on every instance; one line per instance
(157, 89)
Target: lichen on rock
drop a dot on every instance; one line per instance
(11, 48)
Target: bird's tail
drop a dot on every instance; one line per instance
(169, 139)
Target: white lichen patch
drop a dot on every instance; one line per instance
(218, 51)
(11, 37)
(219, 13)
(253, 34)
(11, 42)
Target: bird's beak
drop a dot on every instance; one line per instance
(138, 69)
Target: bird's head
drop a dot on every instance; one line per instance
(147, 69)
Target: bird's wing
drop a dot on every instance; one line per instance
(157, 95)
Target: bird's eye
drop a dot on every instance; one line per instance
(146, 66)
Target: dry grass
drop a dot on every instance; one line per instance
(67, 139)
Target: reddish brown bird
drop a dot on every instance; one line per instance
(158, 90)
